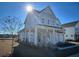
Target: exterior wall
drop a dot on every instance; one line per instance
(58, 37)
(62, 37)
(48, 18)
(32, 20)
(45, 18)
(22, 36)
(77, 27)
(69, 33)
(77, 31)
(31, 37)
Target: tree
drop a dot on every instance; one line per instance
(10, 25)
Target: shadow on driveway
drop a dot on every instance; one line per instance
(30, 51)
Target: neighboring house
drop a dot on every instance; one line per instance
(71, 30)
(42, 28)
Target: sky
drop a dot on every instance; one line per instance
(65, 11)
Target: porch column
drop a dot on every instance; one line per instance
(50, 36)
(25, 34)
(29, 36)
(35, 36)
(47, 39)
(54, 36)
(25, 37)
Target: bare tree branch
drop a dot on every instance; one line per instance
(10, 24)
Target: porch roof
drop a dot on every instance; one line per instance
(51, 26)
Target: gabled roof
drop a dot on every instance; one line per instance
(36, 12)
(47, 8)
(70, 24)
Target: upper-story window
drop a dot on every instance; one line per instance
(42, 20)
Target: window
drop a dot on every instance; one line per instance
(42, 20)
(66, 35)
(64, 29)
(57, 24)
(71, 35)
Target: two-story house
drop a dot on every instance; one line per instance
(42, 28)
(71, 30)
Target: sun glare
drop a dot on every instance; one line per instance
(29, 8)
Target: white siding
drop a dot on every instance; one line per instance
(69, 31)
(35, 18)
(32, 21)
(22, 36)
(48, 15)
(77, 27)
(61, 37)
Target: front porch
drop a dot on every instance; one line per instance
(48, 36)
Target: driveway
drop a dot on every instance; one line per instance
(30, 51)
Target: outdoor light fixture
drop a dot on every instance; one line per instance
(29, 8)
